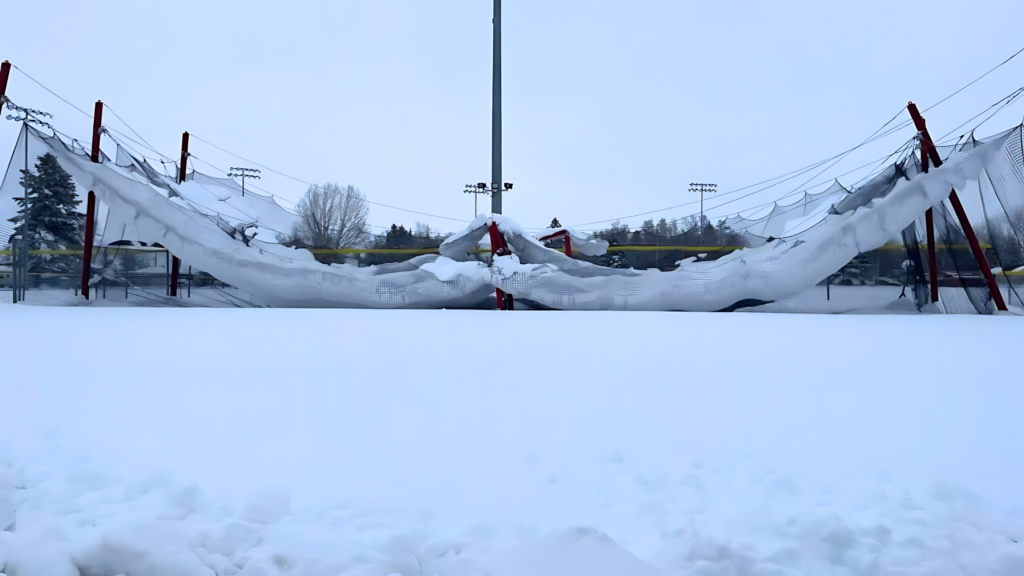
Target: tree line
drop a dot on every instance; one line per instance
(688, 231)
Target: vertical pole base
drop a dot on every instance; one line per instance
(933, 268)
(979, 254)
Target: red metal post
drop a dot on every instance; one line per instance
(175, 273)
(972, 239)
(184, 158)
(979, 254)
(97, 121)
(926, 146)
(498, 248)
(933, 267)
(90, 220)
(175, 261)
(5, 74)
(561, 234)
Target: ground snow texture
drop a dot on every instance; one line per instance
(155, 442)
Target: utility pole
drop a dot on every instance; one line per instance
(496, 114)
(702, 188)
(243, 173)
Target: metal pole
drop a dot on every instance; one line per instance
(175, 263)
(243, 186)
(97, 121)
(965, 224)
(184, 158)
(496, 181)
(702, 217)
(933, 265)
(933, 271)
(5, 74)
(90, 219)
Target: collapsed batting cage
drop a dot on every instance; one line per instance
(933, 228)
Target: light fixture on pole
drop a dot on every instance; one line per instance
(243, 173)
(482, 188)
(702, 188)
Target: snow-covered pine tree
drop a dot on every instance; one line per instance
(53, 219)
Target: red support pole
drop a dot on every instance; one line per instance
(175, 261)
(97, 121)
(928, 146)
(90, 220)
(90, 211)
(979, 254)
(5, 74)
(933, 267)
(184, 158)
(498, 248)
(561, 234)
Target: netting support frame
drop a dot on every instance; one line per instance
(5, 75)
(933, 265)
(175, 261)
(90, 232)
(499, 248)
(561, 234)
(928, 150)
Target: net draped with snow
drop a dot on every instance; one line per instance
(795, 246)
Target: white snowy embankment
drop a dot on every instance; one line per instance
(346, 442)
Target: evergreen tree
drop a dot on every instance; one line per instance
(53, 220)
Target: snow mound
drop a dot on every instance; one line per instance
(580, 550)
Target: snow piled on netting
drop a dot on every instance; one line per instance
(803, 242)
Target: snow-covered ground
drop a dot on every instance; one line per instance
(144, 441)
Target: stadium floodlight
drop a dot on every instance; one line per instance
(243, 173)
(483, 188)
(702, 188)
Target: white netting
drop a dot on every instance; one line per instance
(801, 242)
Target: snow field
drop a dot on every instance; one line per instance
(258, 442)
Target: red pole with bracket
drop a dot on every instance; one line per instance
(5, 74)
(928, 146)
(561, 234)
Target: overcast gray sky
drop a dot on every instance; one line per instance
(611, 108)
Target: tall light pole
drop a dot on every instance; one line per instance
(244, 173)
(702, 188)
(496, 114)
